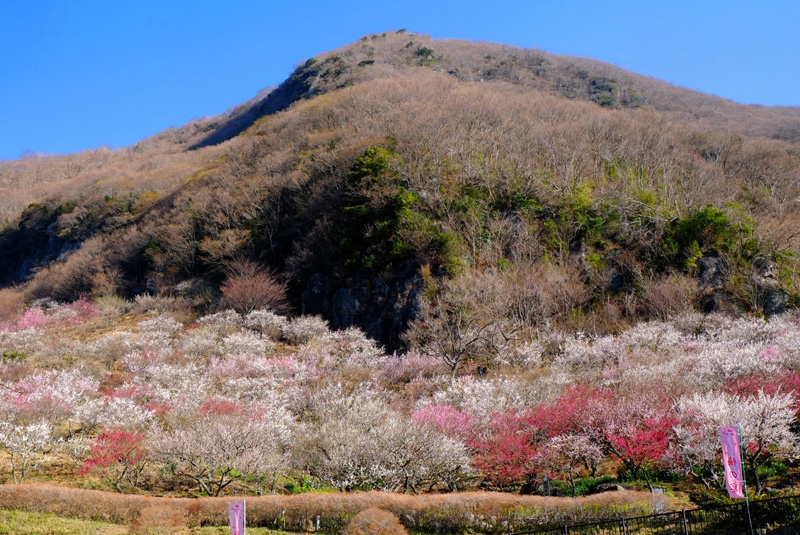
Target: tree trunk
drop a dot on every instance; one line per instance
(572, 482)
(453, 370)
(752, 464)
(647, 479)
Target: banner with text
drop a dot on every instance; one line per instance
(732, 461)
(237, 518)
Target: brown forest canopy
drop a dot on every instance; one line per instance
(576, 191)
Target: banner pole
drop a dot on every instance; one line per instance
(744, 481)
(244, 514)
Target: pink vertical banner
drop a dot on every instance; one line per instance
(732, 461)
(237, 518)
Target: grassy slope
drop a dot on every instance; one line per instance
(24, 523)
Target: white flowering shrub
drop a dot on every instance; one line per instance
(587, 357)
(356, 440)
(65, 314)
(525, 356)
(49, 395)
(246, 343)
(108, 348)
(345, 349)
(744, 330)
(26, 445)
(256, 379)
(267, 323)
(173, 386)
(214, 448)
(411, 366)
(654, 338)
(162, 324)
(483, 397)
(199, 343)
(303, 329)
(209, 341)
(77, 447)
(719, 362)
(29, 342)
(765, 422)
(222, 321)
(568, 453)
(112, 412)
(670, 374)
(156, 343)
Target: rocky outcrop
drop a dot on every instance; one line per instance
(316, 299)
(710, 282)
(381, 308)
(34, 243)
(769, 295)
(765, 292)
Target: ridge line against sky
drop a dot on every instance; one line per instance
(85, 73)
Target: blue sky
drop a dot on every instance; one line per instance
(79, 74)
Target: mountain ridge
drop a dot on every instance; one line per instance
(574, 77)
(394, 166)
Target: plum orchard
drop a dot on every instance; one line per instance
(257, 401)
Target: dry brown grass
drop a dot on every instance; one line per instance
(662, 298)
(486, 511)
(12, 303)
(160, 519)
(374, 521)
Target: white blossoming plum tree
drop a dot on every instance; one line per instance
(213, 448)
(27, 445)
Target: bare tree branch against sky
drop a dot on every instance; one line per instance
(88, 73)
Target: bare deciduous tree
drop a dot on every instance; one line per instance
(250, 287)
(211, 449)
(456, 324)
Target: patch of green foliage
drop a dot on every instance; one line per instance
(13, 356)
(385, 223)
(709, 230)
(772, 468)
(603, 91)
(373, 163)
(587, 485)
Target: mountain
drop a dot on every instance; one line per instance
(385, 55)
(400, 174)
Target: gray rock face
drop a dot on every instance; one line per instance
(607, 487)
(767, 295)
(404, 305)
(766, 285)
(347, 307)
(315, 300)
(712, 271)
(775, 302)
(382, 309)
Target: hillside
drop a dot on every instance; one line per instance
(564, 189)
(415, 266)
(385, 55)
